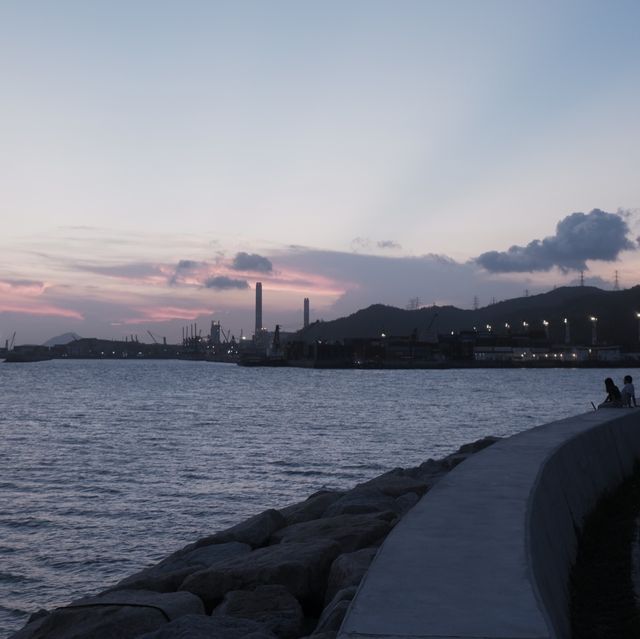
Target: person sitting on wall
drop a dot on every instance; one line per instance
(614, 397)
(628, 392)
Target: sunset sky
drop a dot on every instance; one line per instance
(157, 159)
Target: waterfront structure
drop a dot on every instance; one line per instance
(258, 329)
(306, 312)
(215, 333)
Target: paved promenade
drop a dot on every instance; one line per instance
(487, 552)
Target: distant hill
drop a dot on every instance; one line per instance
(65, 338)
(616, 312)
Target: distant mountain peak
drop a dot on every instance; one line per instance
(65, 338)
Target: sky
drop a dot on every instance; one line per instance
(157, 159)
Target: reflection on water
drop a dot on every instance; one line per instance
(106, 466)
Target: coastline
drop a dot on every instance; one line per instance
(284, 573)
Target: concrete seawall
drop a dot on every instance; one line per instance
(488, 551)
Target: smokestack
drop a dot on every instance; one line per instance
(258, 309)
(306, 312)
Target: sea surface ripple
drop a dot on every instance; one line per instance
(107, 466)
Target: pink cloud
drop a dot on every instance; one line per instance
(296, 281)
(30, 288)
(166, 314)
(39, 309)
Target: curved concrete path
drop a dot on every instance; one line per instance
(488, 551)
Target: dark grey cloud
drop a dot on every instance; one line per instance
(251, 262)
(224, 283)
(15, 283)
(187, 265)
(579, 237)
(360, 243)
(388, 244)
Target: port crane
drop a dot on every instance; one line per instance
(433, 319)
(155, 341)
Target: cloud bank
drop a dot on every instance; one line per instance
(224, 283)
(579, 237)
(251, 262)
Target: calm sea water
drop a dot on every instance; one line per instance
(106, 466)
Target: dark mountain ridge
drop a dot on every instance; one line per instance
(616, 313)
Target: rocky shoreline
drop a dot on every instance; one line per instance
(282, 574)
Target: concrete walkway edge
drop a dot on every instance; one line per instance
(487, 553)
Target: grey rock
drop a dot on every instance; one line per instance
(272, 606)
(351, 532)
(478, 445)
(202, 627)
(38, 614)
(254, 531)
(167, 575)
(395, 484)
(301, 567)
(406, 502)
(347, 571)
(361, 501)
(124, 614)
(453, 460)
(312, 508)
(333, 615)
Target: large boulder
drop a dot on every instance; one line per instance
(312, 508)
(301, 567)
(478, 445)
(348, 570)
(272, 606)
(406, 502)
(361, 501)
(254, 531)
(351, 532)
(202, 627)
(395, 483)
(430, 471)
(124, 614)
(167, 575)
(333, 615)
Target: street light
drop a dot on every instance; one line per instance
(638, 316)
(567, 332)
(489, 327)
(546, 328)
(594, 331)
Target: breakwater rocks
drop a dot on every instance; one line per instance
(282, 574)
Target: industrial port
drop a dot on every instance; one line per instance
(574, 340)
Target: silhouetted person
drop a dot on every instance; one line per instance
(613, 398)
(628, 392)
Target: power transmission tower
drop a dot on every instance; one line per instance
(581, 278)
(475, 303)
(616, 284)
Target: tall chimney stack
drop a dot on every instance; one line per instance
(258, 310)
(306, 312)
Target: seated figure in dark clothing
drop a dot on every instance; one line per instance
(614, 397)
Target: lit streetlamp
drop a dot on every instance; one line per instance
(567, 332)
(638, 316)
(594, 330)
(546, 328)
